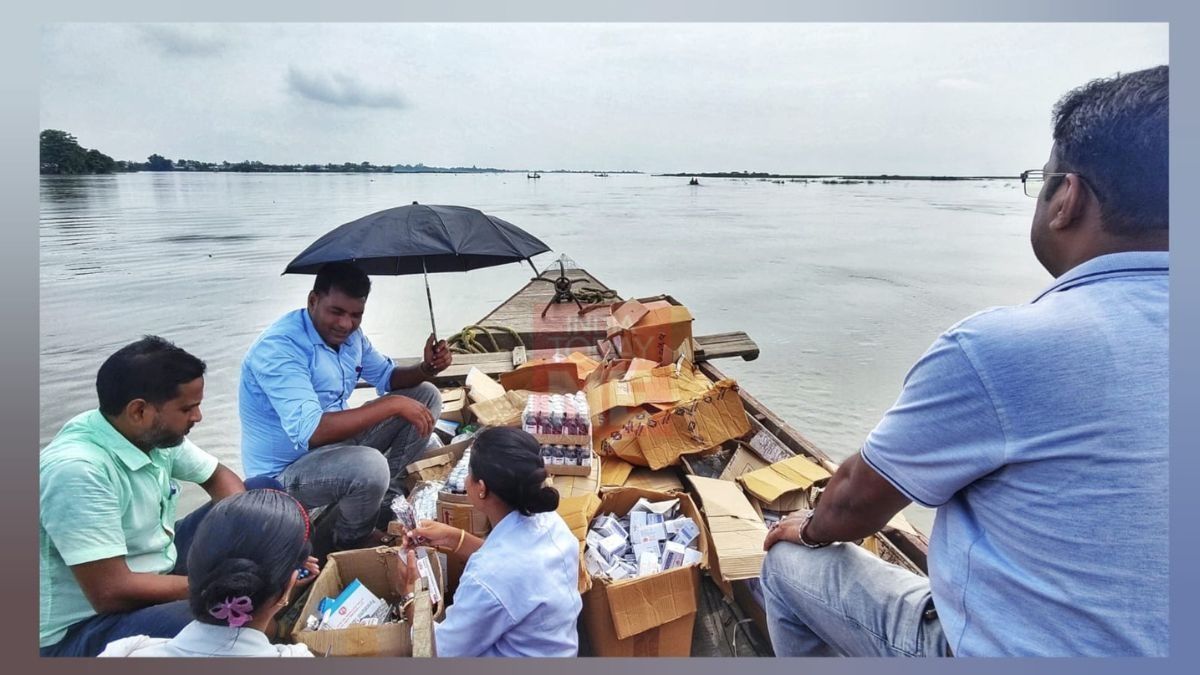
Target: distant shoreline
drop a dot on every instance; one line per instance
(822, 176)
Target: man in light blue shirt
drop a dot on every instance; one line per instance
(1038, 432)
(296, 424)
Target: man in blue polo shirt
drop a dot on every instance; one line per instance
(296, 423)
(113, 558)
(1038, 432)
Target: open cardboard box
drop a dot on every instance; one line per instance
(646, 616)
(435, 464)
(658, 440)
(502, 411)
(377, 569)
(455, 405)
(735, 530)
(658, 329)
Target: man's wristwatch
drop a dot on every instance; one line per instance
(800, 533)
(427, 369)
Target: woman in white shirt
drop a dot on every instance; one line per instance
(519, 592)
(244, 561)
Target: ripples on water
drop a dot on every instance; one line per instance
(842, 286)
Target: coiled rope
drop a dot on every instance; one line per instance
(466, 341)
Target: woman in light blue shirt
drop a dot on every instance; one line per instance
(242, 566)
(519, 593)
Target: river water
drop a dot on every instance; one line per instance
(842, 286)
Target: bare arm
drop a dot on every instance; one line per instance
(857, 503)
(223, 483)
(408, 376)
(110, 586)
(435, 358)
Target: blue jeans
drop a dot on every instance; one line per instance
(843, 601)
(90, 636)
(360, 474)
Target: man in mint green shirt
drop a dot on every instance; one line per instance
(112, 557)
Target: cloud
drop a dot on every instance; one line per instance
(959, 84)
(184, 39)
(342, 89)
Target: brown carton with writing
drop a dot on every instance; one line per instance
(377, 569)
(645, 616)
(658, 440)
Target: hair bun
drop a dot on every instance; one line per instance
(543, 498)
(234, 577)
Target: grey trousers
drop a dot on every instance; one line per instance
(842, 600)
(362, 473)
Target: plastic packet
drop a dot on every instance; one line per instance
(424, 500)
(404, 512)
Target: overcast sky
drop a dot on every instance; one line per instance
(789, 98)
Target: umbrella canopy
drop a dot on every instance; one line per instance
(420, 238)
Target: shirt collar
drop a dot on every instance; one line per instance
(119, 446)
(204, 638)
(1111, 265)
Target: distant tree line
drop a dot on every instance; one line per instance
(61, 153)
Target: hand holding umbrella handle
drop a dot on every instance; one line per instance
(436, 357)
(429, 298)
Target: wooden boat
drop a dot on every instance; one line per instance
(537, 327)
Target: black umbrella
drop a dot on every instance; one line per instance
(421, 239)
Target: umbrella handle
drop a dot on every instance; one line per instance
(429, 299)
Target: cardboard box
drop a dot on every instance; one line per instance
(658, 440)
(454, 405)
(577, 511)
(663, 480)
(584, 364)
(377, 570)
(544, 377)
(576, 486)
(563, 439)
(456, 510)
(502, 411)
(434, 464)
(480, 387)
(655, 330)
(614, 471)
(572, 469)
(735, 530)
(647, 616)
(742, 462)
(784, 486)
(637, 382)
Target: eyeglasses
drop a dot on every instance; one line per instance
(1033, 179)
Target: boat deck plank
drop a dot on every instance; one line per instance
(561, 328)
